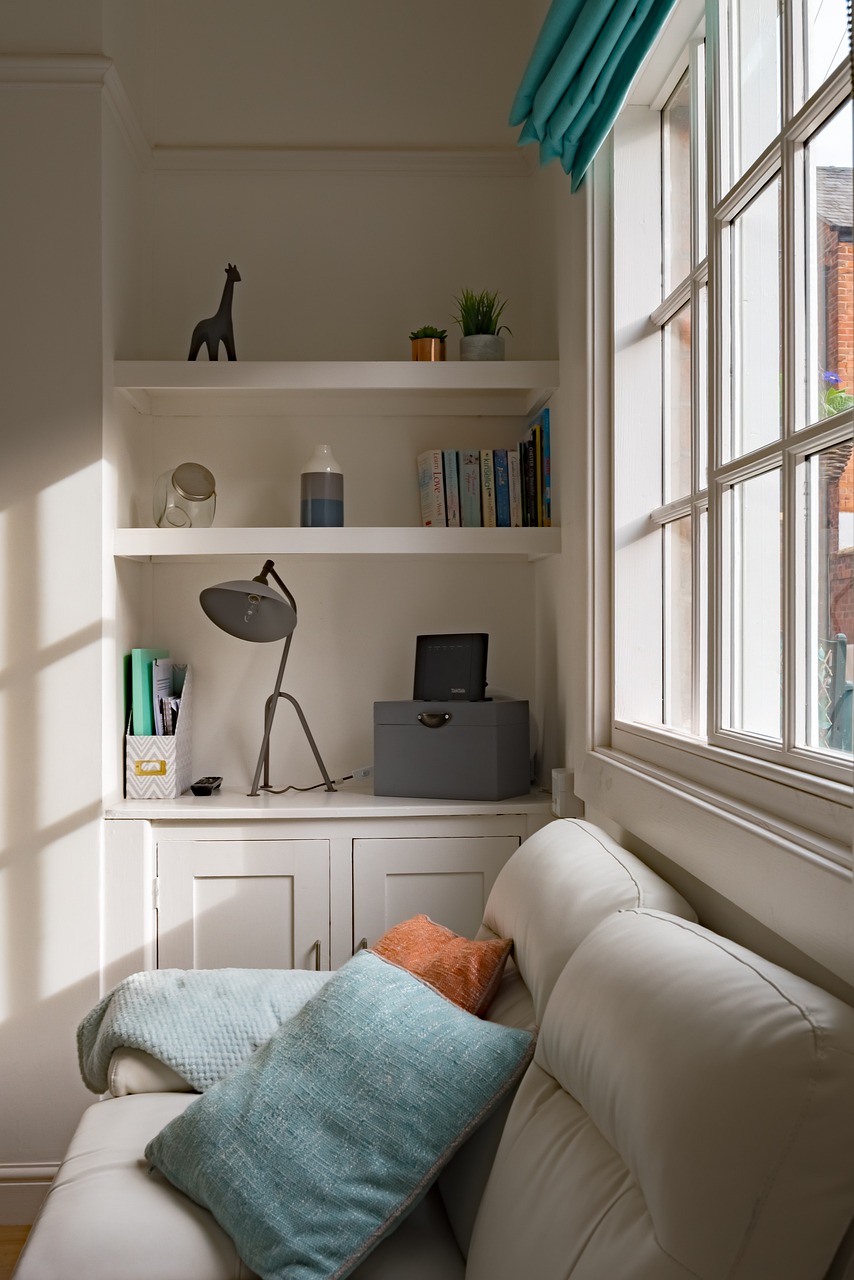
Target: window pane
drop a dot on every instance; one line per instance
(828, 542)
(703, 387)
(830, 336)
(678, 625)
(677, 405)
(703, 625)
(755, 245)
(755, 103)
(701, 160)
(676, 163)
(827, 39)
(751, 633)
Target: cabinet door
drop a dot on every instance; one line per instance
(258, 904)
(445, 878)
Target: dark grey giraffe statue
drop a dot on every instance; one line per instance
(217, 329)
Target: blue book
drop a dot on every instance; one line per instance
(502, 488)
(469, 464)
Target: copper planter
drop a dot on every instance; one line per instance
(428, 348)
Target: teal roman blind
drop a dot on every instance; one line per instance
(580, 72)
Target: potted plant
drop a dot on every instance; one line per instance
(428, 343)
(478, 315)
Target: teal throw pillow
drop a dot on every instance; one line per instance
(313, 1150)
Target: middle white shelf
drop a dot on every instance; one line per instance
(158, 545)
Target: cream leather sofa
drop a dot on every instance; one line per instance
(689, 1112)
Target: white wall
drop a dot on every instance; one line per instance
(113, 250)
(51, 635)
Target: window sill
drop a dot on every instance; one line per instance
(787, 864)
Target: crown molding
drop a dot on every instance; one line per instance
(496, 162)
(54, 68)
(119, 104)
(90, 70)
(99, 71)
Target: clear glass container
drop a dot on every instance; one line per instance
(185, 498)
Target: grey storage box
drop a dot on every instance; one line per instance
(452, 750)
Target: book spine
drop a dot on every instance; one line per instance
(502, 488)
(514, 486)
(487, 488)
(547, 469)
(470, 489)
(431, 488)
(537, 432)
(529, 479)
(452, 487)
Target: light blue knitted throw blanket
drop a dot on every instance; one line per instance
(201, 1022)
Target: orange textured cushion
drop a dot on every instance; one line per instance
(464, 971)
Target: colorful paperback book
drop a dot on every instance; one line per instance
(487, 489)
(502, 488)
(540, 430)
(469, 462)
(529, 482)
(452, 487)
(161, 694)
(431, 488)
(514, 484)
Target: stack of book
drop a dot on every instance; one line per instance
(490, 488)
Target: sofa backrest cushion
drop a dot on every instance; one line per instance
(556, 887)
(688, 1113)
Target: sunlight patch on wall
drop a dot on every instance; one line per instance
(68, 697)
(70, 870)
(69, 587)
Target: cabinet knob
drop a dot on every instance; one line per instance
(362, 946)
(316, 949)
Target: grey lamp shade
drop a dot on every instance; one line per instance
(249, 610)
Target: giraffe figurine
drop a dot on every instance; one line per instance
(218, 328)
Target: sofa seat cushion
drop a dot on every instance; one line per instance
(105, 1216)
(688, 1114)
(108, 1217)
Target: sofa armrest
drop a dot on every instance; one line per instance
(134, 1071)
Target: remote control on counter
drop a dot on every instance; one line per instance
(206, 786)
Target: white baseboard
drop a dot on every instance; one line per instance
(23, 1187)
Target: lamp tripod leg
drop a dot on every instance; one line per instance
(311, 742)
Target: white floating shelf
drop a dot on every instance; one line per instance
(172, 388)
(161, 545)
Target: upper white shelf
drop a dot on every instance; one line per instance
(161, 545)
(226, 388)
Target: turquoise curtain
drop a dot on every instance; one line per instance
(579, 75)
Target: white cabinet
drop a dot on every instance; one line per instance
(260, 904)
(259, 881)
(448, 879)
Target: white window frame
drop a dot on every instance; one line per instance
(756, 827)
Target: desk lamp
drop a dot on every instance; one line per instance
(253, 610)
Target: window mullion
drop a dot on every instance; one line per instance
(715, 71)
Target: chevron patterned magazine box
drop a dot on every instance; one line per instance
(160, 766)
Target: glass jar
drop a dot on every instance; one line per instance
(321, 491)
(185, 498)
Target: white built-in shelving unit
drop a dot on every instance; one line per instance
(217, 389)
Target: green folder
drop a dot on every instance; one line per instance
(142, 706)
